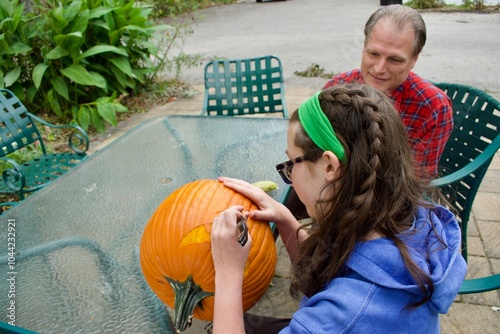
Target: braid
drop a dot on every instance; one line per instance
(368, 109)
(371, 124)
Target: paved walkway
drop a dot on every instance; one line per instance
(477, 313)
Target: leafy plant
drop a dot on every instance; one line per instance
(171, 57)
(76, 58)
(17, 37)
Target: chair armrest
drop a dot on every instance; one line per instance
(9, 329)
(13, 175)
(482, 158)
(78, 140)
(482, 284)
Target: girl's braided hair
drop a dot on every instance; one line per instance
(377, 189)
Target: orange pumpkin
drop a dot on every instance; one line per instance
(175, 254)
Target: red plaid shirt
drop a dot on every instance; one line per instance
(426, 112)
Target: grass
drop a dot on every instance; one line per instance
(315, 71)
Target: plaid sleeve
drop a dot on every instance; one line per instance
(430, 122)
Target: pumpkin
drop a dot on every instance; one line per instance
(175, 254)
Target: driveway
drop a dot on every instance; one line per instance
(461, 47)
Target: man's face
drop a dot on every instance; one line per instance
(387, 56)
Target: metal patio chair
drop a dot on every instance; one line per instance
(19, 130)
(244, 87)
(474, 141)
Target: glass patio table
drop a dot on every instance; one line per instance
(69, 253)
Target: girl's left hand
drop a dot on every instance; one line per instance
(228, 255)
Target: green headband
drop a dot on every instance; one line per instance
(319, 128)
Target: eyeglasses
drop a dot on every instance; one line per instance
(285, 168)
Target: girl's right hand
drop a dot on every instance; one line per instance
(228, 255)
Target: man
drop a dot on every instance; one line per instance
(394, 37)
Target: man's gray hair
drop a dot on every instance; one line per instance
(401, 17)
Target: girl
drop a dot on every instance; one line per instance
(375, 257)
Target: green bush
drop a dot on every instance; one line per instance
(76, 58)
(169, 8)
(424, 4)
(474, 4)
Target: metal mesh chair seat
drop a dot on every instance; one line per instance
(44, 169)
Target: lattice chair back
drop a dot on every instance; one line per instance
(17, 129)
(244, 87)
(473, 143)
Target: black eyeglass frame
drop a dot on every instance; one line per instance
(285, 168)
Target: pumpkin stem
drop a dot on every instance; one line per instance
(187, 296)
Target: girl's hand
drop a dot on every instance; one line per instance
(229, 261)
(228, 255)
(270, 209)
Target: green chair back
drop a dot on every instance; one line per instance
(244, 87)
(17, 128)
(474, 141)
